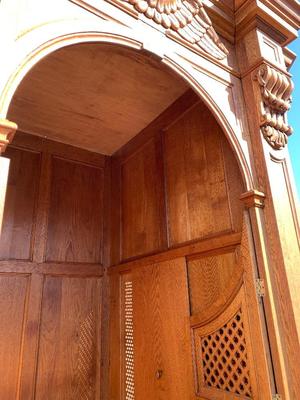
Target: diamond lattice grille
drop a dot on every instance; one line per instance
(224, 358)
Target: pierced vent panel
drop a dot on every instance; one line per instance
(86, 359)
(128, 333)
(223, 359)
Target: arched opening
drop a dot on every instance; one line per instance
(124, 224)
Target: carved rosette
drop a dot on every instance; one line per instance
(7, 131)
(276, 89)
(187, 18)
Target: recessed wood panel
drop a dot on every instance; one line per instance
(198, 203)
(209, 277)
(19, 208)
(13, 291)
(142, 202)
(69, 349)
(162, 347)
(76, 213)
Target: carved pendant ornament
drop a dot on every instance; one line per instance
(276, 89)
(188, 18)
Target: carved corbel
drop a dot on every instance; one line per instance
(7, 131)
(276, 88)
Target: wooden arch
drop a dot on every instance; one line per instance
(36, 44)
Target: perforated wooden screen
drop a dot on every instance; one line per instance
(128, 351)
(224, 356)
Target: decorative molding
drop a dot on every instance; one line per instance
(276, 88)
(253, 198)
(7, 132)
(186, 18)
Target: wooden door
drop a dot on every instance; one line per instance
(51, 273)
(192, 327)
(162, 358)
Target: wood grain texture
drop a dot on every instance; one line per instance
(198, 203)
(162, 347)
(209, 277)
(142, 202)
(13, 293)
(75, 216)
(19, 208)
(69, 352)
(94, 97)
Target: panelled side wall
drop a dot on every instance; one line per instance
(176, 182)
(51, 272)
(184, 316)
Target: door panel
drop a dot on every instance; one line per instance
(162, 346)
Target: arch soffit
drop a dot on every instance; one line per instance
(33, 46)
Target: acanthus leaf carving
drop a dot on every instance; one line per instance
(187, 18)
(276, 89)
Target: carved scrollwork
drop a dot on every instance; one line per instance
(276, 89)
(187, 18)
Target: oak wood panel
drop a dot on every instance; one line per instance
(95, 96)
(16, 236)
(13, 293)
(69, 352)
(31, 338)
(214, 279)
(74, 269)
(209, 277)
(197, 247)
(42, 209)
(162, 347)
(39, 144)
(75, 220)
(166, 118)
(142, 202)
(197, 195)
(234, 183)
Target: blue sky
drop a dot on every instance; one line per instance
(294, 115)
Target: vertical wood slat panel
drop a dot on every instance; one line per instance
(75, 223)
(13, 295)
(69, 348)
(31, 339)
(142, 202)
(16, 236)
(196, 183)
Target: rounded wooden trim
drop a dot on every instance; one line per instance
(43, 40)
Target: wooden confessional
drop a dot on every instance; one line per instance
(131, 276)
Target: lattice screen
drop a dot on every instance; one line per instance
(85, 371)
(223, 364)
(128, 332)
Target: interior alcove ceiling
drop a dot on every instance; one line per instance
(94, 96)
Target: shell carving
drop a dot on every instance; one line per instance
(188, 18)
(276, 89)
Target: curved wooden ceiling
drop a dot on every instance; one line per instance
(94, 96)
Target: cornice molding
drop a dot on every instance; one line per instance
(7, 132)
(280, 20)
